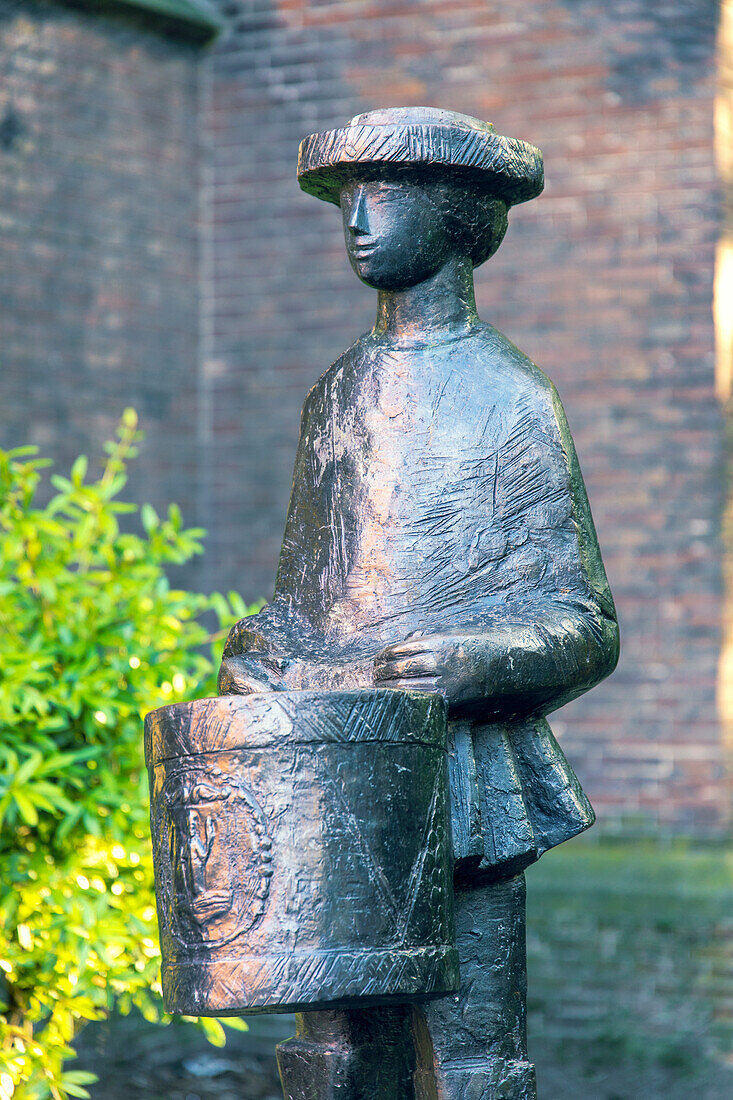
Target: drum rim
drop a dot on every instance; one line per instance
(277, 719)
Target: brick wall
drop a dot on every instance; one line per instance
(606, 281)
(98, 239)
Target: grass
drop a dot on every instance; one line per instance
(630, 959)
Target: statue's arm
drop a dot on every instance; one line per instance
(534, 665)
(556, 635)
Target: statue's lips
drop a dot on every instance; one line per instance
(212, 903)
(362, 250)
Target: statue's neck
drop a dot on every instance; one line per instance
(442, 307)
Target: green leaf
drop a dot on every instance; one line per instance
(74, 1090)
(213, 1031)
(26, 770)
(26, 808)
(235, 1023)
(79, 470)
(95, 638)
(79, 1077)
(150, 519)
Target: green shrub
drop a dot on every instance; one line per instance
(91, 637)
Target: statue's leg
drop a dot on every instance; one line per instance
(349, 1054)
(473, 1046)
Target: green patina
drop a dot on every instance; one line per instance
(194, 19)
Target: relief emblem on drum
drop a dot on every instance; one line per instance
(215, 854)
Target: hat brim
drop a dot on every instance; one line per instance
(509, 168)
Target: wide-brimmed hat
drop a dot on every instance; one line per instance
(419, 137)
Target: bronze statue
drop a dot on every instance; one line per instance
(439, 541)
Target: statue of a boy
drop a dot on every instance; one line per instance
(439, 538)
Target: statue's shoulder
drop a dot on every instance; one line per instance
(511, 375)
(341, 372)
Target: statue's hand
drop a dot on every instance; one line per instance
(446, 663)
(253, 657)
(248, 673)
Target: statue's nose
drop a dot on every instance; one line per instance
(358, 222)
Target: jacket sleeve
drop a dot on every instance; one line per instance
(555, 634)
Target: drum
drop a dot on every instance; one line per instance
(301, 843)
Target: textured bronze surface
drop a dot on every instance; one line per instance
(471, 1046)
(278, 885)
(438, 540)
(434, 139)
(439, 535)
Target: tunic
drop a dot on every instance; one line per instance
(437, 490)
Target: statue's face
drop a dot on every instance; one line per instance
(395, 235)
